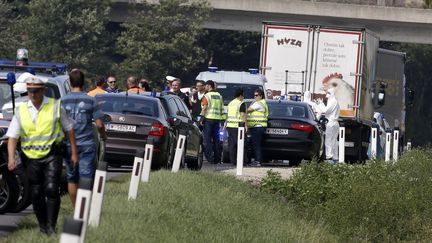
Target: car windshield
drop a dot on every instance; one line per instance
(290, 110)
(128, 105)
(5, 93)
(227, 91)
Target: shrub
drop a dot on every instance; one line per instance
(377, 201)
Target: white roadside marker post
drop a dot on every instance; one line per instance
(240, 148)
(387, 146)
(374, 142)
(136, 174)
(395, 145)
(341, 144)
(98, 192)
(409, 146)
(179, 150)
(71, 231)
(148, 156)
(82, 204)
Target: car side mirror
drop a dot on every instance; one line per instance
(106, 118)
(381, 94)
(381, 98)
(409, 97)
(198, 118)
(323, 121)
(174, 122)
(177, 122)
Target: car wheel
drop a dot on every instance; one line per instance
(196, 163)
(9, 190)
(170, 157)
(24, 199)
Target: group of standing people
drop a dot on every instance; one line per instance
(253, 118)
(208, 109)
(110, 85)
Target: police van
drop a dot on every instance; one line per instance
(228, 81)
(54, 76)
(226, 84)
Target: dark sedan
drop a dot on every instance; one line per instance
(135, 118)
(292, 134)
(177, 110)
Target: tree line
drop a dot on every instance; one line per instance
(160, 40)
(164, 39)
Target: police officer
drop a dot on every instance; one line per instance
(257, 123)
(236, 114)
(38, 125)
(213, 111)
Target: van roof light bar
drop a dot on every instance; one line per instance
(212, 69)
(43, 67)
(253, 71)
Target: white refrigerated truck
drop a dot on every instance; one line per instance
(300, 57)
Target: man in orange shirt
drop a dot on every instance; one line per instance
(100, 83)
(132, 84)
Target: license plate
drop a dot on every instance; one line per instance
(122, 128)
(277, 131)
(349, 144)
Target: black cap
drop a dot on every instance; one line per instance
(211, 83)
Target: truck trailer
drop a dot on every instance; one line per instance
(304, 57)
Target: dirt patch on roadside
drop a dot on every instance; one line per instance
(255, 174)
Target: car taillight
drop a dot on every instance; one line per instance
(302, 127)
(157, 130)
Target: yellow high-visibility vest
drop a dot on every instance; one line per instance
(215, 107)
(234, 117)
(258, 117)
(37, 139)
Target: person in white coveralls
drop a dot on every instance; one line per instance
(331, 112)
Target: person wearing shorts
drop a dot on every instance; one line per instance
(83, 110)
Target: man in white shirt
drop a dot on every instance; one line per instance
(38, 124)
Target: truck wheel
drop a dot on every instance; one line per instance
(294, 162)
(225, 157)
(9, 190)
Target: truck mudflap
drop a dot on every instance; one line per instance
(357, 140)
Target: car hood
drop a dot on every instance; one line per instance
(7, 109)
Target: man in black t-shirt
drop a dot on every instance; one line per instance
(197, 97)
(176, 85)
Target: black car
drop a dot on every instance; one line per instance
(133, 119)
(180, 118)
(292, 133)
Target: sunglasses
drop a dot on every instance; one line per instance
(33, 91)
(112, 82)
(256, 95)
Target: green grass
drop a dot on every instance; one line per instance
(189, 207)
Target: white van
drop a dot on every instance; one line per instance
(228, 81)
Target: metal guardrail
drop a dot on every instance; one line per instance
(387, 3)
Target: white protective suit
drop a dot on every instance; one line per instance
(331, 112)
(308, 99)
